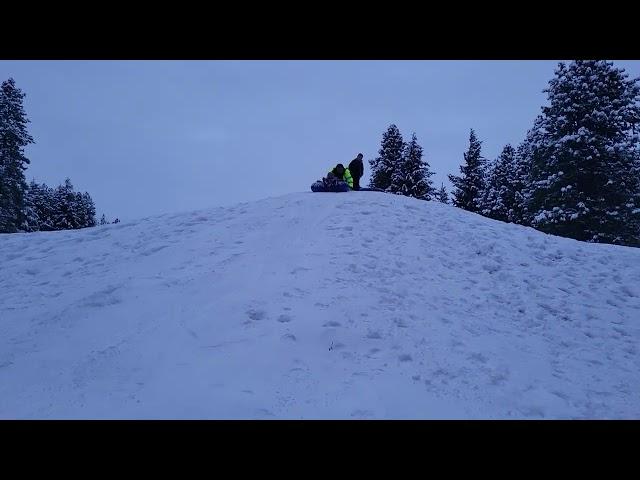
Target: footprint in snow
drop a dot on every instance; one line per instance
(256, 315)
(332, 323)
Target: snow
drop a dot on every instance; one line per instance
(350, 306)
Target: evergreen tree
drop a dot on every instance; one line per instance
(388, 160)
(412, 177)
(43, 200)
(79, 211)
(469, 187)
(521, 183)
(64, 206)
(89, 211)
(583, 179)
(13, 138)
(499, 196)
(634, 220)
(441, 195)
(103, 220)
(32, 220)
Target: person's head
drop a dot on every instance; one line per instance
(359, 157)
(340, 169)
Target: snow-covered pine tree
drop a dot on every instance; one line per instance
(388, 159)
(469, 187)
(89, 211)
(521, 182)
(635, 217)
(485, 199)
(441, 195)
(79, 210)
(499, 196)
(31, 221)
(103, 220)
(65, 209)
(412, 177)
(13, 138)
(585, 147)
(43, 199)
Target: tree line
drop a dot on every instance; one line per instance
(576, 174)
(32, 207)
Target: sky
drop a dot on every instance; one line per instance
(152, 137)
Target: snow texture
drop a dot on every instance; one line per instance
(354, 306)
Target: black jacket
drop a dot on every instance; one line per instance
(357, 170)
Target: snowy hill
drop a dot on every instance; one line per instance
(357, 305)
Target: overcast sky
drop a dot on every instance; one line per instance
(149, 137)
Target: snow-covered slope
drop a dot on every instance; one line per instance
(356, 305)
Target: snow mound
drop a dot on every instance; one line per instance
(356, 305)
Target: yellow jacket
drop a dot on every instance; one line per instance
(347, 177)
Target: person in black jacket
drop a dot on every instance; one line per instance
(356, 167)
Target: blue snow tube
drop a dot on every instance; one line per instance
(337, 187)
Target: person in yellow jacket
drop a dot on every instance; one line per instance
(343, 174)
